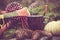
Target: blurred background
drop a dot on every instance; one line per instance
(36, 6)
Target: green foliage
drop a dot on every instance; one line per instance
(37, 9)
(9, 33)
(49, 13)
(40, 9)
